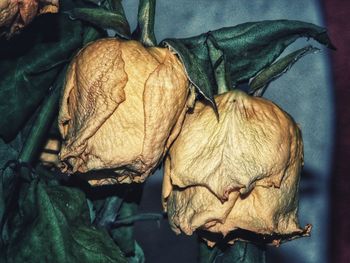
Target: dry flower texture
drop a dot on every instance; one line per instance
(16, 14)
(122, 107)
(239, 173)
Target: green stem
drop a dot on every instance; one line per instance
(145, 26)
(90, 34)
(42, 123)
(140, 217)
(123, 234)
(217, 60)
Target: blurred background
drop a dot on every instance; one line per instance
(315, 92)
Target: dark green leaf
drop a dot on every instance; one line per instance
(92, 33)
(43, 122)
(137, 218)
(246, 49)
(29, 65)
(243, 252)
(109, 211)
(206, 254)
(124, 235)
(198, 68)
(8, 182)
(145, 26)
(53, 225)
(139, 255)
(217, 60)
(95, 2)
(104, 19)
(116, 202)
(259, 84)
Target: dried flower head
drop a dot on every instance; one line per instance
(16, 14)
(241, 172)
(122, 107)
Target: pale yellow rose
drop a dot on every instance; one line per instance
(122, 107)
(238, 172)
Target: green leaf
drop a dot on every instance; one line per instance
(243, 252)
(113, 203)
(137, 218)
(259, 84)
(53, 225)
(95, 2)
(124, 235)
(246, 49)
(92, 33)
(8, 182)
(197, 65)
(104, 19)
(217, 59)
(109, 211)
(43, 121)
(144, 31)
(139, 255)
(29, 64)
(206, 254)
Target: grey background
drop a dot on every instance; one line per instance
(305, 92)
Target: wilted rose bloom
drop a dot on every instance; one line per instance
(16, 14)
(241, 172)
(122, 107)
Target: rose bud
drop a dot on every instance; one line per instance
(238, 172)
(16, 14)
(123, 105)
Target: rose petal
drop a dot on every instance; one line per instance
(133, 114)
(252, 140)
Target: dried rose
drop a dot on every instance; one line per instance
(122, 107)
(240, 172)
(16, 14)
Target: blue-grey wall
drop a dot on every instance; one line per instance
(305, 92)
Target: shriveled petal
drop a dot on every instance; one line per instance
(196, 207)
(265, 210)
(252, 140)
(8, 10)
(164, 101)
(266, 148)
(48, 6)
(28, 10)
(128, 136)
(16, 14)
(94, 89)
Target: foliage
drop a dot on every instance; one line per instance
(240, 52)
(44, 219)
(52, 224)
